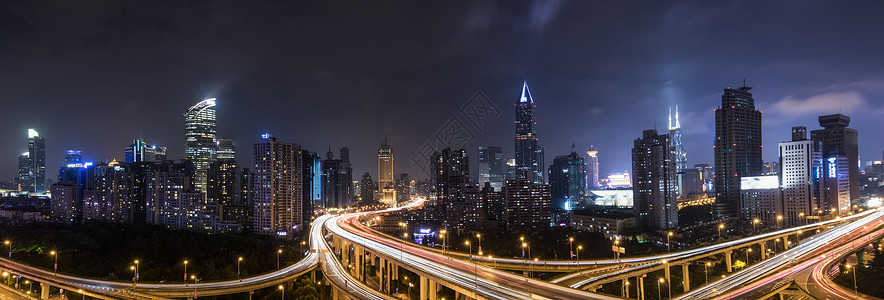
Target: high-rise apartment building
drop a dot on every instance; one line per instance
(201, 145)
(838, 140)
(681, 156)
(109, 198)
(800, 162)
(386, 188)
(567, 183)
(404, 188)
(592, 168)
(491, 167)
(277, 188)
(63, 202)
(228, 186)
(529, 155)
(737, 147)
(654, 180)
(527, 204)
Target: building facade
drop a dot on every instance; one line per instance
(800, 162)
(655, 180)
(337, 180)
(839, 140)
(528, 204)
(592, 168)
(761, 198)
(386, 187)
(737, 148)
(529, 155)
(32, 165)
(277, 189)
(491, 167)
(567, 183)
(201, 145)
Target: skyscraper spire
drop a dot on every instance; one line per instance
(670, 118)
(677, 125)
(526, 94)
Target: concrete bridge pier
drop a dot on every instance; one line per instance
(763, 253)
(727, 260)
(641, 287)
(427, 288)
(666, 273)
(685, 280)
(44, 291)
(625, 286)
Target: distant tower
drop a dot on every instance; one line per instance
(681, 157)
(567, 180)
(654, 180)
(32, 165)
(592, 168)
(491, 167)
(201, 144)
(839, 140)
(737, 148)
(529, 156)
(385, 173)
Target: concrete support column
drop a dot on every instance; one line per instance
(626, 288)
(685, 280)
(433, 289)
(425, 285)
(763, 250)
(335, 294)
(666, 272)
(641, 287)
(727, 260)
(44, 291)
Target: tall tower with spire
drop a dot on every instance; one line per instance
(201, 144)
(529, 155)
(681, 157)
(592, 168)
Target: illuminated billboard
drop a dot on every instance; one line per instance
(759, 182)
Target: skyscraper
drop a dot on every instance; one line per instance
(800, 160)
(228, 186)
(681, 157)
(277, 188)
(654, 180)
(839, 140)
(32, 165)
(337, 180)
(458, 202)
(225, 149)
(592, 168)
(140, 151)
(529, 156)
(737, 147)
(201, 145)
(491, 167)
(385, 174)
(567, 176)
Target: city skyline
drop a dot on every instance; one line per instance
(577, 94)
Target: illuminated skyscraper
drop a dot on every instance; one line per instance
(32, 165)
(655, 185)
(385, 174)
(592, 168)
(337, 181)
(529, 156)
(201, 145)
(277, 187)
(737, 148)
(681, 157)
(838, 140)
(139, 151)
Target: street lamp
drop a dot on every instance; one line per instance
(522, 240)
(797, 237)
(754, 222)
(9, 243)
(720, 227)
(238, 261)
(479, 236)
(801, 216)
(283, 291)
(278, 252)
(54, 266)
(658, 288)
(748, 250)
(185, 271)
(668, 245)
(855, 290)
(571, 246)
(133, 276)
(706, 266)
(444, 239)
(136, 274)
(779, 218)
(776, 241)
(579, 247)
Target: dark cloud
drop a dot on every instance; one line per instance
(91, 76)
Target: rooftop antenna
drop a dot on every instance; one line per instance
(744, 81)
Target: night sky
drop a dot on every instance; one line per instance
(93, 75)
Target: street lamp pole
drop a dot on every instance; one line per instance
(479, 236)
(658, 288)
(779, 218)
(278, 252)
(855, 290)
(9, 243)
(579, 247)
(754, 222)
(668, 245)
(706, 266)
(720, 227)
(185, 272)
(571, 246)
(238, 261)
(54, 266)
